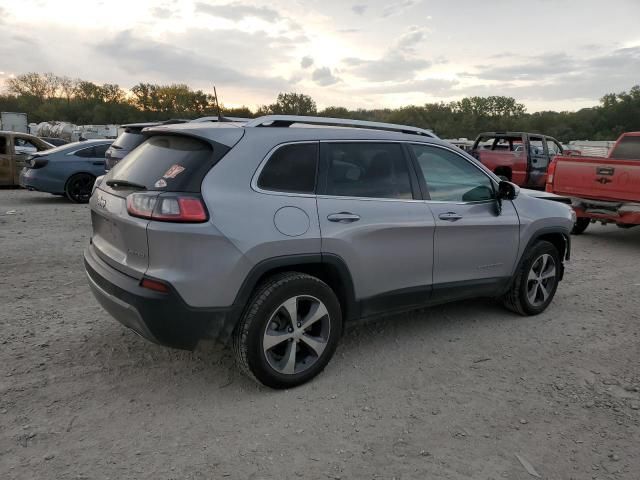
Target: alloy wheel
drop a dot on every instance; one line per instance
(296, 334)
(541, 280)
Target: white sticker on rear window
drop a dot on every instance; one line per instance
(160, 183)
(173, 172)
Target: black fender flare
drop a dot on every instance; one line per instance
(282, 263)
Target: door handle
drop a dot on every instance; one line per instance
(98, 163)
(450, 216)
(343, 217)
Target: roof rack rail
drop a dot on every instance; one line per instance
(288, 120)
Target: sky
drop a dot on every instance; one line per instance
(548, 54)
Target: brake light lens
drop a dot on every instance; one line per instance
(167, 207)
(551, 171)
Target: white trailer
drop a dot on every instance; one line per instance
(14, 122)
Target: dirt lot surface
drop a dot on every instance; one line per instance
(455, 392)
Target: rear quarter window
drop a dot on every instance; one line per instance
(291, 168)
(168, 164)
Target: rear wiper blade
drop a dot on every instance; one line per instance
(124, 183)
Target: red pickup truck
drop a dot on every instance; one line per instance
(522, 158)
(601, 189)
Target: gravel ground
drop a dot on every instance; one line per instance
(455, 392)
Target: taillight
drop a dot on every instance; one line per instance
(167, 207)
(551, 171)
(37, 162)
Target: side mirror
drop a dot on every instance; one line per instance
(507, 190)
(502, 177)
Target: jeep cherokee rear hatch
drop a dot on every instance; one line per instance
(159, 181)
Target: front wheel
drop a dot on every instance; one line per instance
(289, 330)
(581, 225)
(536, 281)
(79, 186)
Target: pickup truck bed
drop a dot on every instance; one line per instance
(603, 189)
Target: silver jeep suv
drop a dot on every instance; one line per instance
(272, 236)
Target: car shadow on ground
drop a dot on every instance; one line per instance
(628, 237)
(50, 200)
(122, 353)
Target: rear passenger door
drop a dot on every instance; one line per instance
(372, 217)
(475, 244)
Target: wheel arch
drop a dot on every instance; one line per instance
(331, 269)
(558, 237)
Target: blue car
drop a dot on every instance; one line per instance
(69, 170)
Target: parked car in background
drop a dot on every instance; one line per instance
(129, 139)
(69, 170)
(56, 142)
(271, 236)
(15, 147)
(602, 189)
(520, 157)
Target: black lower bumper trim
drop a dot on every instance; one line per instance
(163, 318)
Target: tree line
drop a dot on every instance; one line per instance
(51, 97)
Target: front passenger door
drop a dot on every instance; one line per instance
(475, 245)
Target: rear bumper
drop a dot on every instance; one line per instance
(623, 213)
(163, 318)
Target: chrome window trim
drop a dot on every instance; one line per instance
(265, 160)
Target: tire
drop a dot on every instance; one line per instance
(535, 272)
(267, 321)
(78, 187)
(581, 225)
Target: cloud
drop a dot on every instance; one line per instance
(306, 62)
(348, 30)
(410, 39)
(397, 63)
(237, 11)
(162, 12)
(359, 9)
(323, 77)
(398, 8)
(558, 76)
(392, 66)
(429, 86)
(144, 56)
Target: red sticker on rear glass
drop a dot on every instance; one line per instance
(174, 171)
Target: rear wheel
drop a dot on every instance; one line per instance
(536, 282)
(79, 186)
(289, 331)
(581, 225)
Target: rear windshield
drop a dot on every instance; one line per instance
(129, 139)
(168, 164)
(627, 149)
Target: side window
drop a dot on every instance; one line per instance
(451, 178)
(374, 170)
(86, 152)
(553, 148)
(291, 168)
(22, 145)
(536, 146)
(3, 145)
(100, 150)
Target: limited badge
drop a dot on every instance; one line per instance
(174, 171)
(160, 183)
